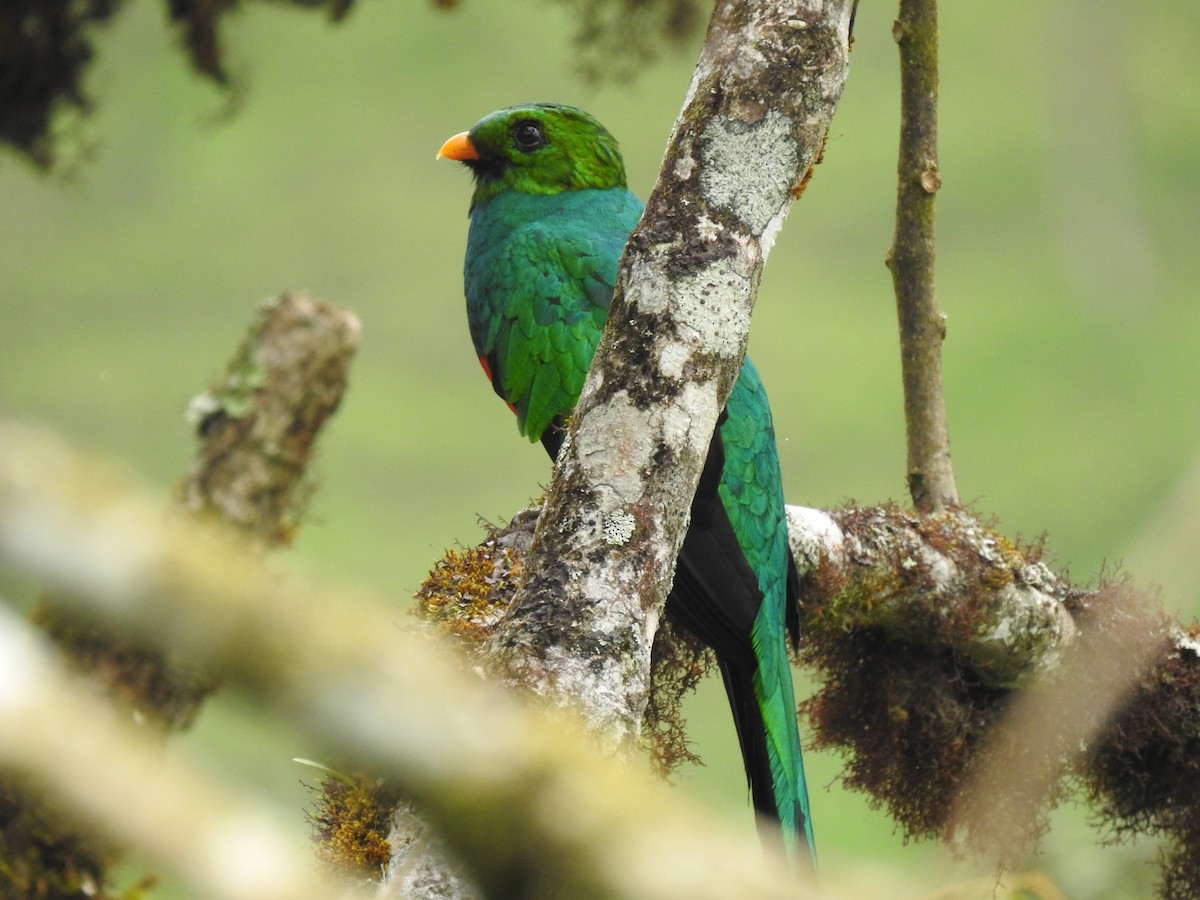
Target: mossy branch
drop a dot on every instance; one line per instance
(963, 676)
(469, 590)
(943, 581)
(911, 260)
(257, 425)
(974, 689)
(258, 422)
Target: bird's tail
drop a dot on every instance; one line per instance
(765, 716)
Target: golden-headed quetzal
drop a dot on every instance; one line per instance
(550, 216)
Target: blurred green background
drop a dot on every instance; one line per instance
(1067, 267)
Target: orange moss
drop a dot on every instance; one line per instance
(44, 851)
(469, 589)
(350, 824)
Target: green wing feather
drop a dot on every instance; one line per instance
(751, 490)
(539, 280)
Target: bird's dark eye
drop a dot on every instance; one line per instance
(528, 135)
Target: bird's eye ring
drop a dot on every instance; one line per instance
(528, 135)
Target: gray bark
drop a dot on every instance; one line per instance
(752, 126)
(888, 568)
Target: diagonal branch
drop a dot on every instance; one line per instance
(522, 799)
(752, 126)
(256, 426)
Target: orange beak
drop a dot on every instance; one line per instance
(459, 147)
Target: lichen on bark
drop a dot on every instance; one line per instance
(581, 630)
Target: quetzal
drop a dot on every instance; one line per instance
(550, 216)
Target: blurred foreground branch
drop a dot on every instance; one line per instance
(488, 773)
(257, 425)
(226, 845)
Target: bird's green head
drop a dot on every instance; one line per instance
(537, 148)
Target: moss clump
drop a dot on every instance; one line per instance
(350, 821)
(167, 692)
(1142, 776)
(902, 588)
(895, 645)
(44, 852)
(469, 590)
(46, 47)
(920, 724)
(913, 719)
(678, 662)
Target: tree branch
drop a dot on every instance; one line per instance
(911, 257)
(752, 126)
(496, 779)
(942, 581)
(225, 843)
(256, 425)
(922, 628)
(962, 677)
(258, 422)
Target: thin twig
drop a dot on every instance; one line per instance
(911, 258)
